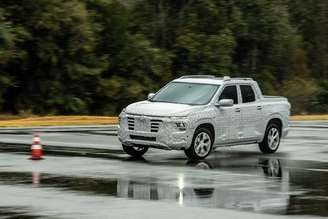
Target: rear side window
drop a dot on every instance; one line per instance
(247, 93)
(230, 92)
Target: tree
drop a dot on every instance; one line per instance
(321, 105)
(9, 36)
(96, 56)
(140, 69)
(136, 66)
(204, 54)
(311, 19)
(60, 70)
(269, 42)
(301, 93)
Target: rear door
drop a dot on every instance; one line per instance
(251, 113)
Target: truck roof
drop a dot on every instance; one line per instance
(210, 79)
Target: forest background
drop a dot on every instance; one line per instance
(93, 57)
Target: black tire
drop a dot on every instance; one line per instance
(191, 151)
(135, 151)
(265, 145)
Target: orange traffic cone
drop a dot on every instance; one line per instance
(36, 148)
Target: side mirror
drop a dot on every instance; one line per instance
(225, 103)
(151, 95)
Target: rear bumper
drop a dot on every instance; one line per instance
(285, 132)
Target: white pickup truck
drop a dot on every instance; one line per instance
(198, 113)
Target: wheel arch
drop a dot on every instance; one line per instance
(207, 125)
(190, 152)
(274, 118)
(277, 121)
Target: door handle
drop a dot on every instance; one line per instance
(237, 110)
(259, 107)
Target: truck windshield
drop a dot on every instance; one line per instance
(186, 93)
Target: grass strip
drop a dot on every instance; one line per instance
(59, 121)
(96, 120)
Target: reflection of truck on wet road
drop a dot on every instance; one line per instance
(198, 113)
(265, 187)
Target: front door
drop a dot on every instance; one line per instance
(227, 119)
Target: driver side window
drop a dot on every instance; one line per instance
(230, 92)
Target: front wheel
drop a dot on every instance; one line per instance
(271, 140)
(135, 151)
(201, 145)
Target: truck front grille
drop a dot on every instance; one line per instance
(155, 124)
(131, 123)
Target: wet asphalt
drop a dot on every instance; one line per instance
(85, 174)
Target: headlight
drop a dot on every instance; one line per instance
(180, 123)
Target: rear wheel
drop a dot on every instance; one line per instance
(201, 145)
(135, 151)
(271, 140)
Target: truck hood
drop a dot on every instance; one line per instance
(149, 108)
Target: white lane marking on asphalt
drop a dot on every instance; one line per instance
(318, 170)
(55, 143)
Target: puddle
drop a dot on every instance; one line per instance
(278, 190)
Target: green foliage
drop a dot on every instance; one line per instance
(7, 39)
(6, 42)
(321, 105)
(268, 44)
(204, 54)
(9, 36)
(311, 18)
(60, 64)
(301, 92)
(96, 56)
(128, 83)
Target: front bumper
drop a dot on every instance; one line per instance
(167, 137)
